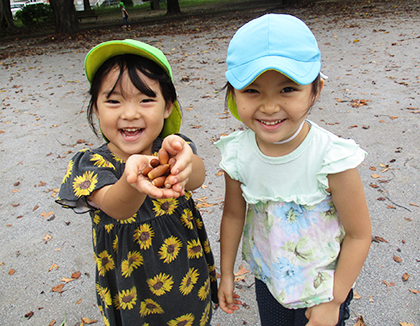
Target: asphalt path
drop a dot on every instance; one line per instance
(371, 55)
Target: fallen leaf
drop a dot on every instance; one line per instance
(29, 314)
(220, 173)
(45, 214)
(47, 238)
(52, 323)
(379, 239)
(58, 288)
(405, 277)
(53, 266)
(76, 275)
(88, 320)
(376, 176)
(11, 272)
(412, 204)
(360, 322)
(356, 295)
(414, 291)
(79, 301)
(397, 259)
(406, 324)
(67, 279)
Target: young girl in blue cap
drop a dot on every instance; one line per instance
(292, 187)
(154, 265)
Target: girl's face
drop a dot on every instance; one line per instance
(129, 119)
(274, 107)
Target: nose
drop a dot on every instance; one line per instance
(130, 112)
(270, 106)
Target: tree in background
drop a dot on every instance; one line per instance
(6, 19)
(173, 7)
(65, 16)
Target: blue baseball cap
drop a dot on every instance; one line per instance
(273, 42)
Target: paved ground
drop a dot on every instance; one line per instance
(372, 57)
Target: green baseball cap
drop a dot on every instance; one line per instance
(104, 51)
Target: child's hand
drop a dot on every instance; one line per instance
(133, 170)
(177, 147)
(228, 300)
(324, 314)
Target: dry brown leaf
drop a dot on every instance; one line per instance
(76, 275)
(220, 173)
(89, 321)
(58, 288)
(414, 291)
(360, 322)
(397, 259)
(79, 301)
(53, 266)
(405, 277)
(356, 296)
(52, 323)
(12, 271)
(406, 324)
(45, 214)
(412, 204)
(47, 238)
(376, 176)
(67, 279)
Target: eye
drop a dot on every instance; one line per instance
(112, 101)
(250, 90)
(147, 100)
(288, 90)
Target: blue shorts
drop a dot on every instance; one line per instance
(273, 313)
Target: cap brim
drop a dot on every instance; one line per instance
(303, 73)
(104, 51)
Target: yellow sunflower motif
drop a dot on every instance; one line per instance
(104, 294)
(146, 324)
(68, 172)
(206, 315)
(212, 273)
(204, 290)
(144, 235)
(134, 260)
(106, 321)
(100, 161)
(194, 249)
(160, 284)
(109, 227)
(130, 220)
(188, 281)
(184, 320)
(150, 307)
(125, 299)
(84, 184)
(94, 237)
(96, 217)
(187, 218)
(104, 263)
(165, 206)
(187, 195)
(206, 246)
(198, 222)
(170, 249)
(116, 158)
(115, 244)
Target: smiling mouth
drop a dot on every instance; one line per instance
(131, 132)
(271, 123)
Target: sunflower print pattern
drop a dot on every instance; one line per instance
(155, 268)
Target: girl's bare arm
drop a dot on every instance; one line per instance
(231, 228)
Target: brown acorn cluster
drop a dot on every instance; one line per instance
(160, 169)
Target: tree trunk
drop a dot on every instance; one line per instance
(173, 7)
(65, 16)
(154, 4)
(6, 19)
(86, 5)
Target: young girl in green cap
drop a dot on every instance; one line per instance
(292, 187)
(154, 265)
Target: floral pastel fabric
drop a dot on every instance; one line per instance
(293, 249)
(155, 268)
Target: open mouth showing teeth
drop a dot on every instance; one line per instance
(271, 123)
(129, 132)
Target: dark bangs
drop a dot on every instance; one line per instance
(133, 64)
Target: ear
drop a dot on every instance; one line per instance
(168, 110)
(321, 85)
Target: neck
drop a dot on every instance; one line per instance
(292, 137)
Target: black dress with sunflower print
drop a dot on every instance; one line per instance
(153, 269)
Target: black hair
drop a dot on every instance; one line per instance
(133, 64)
